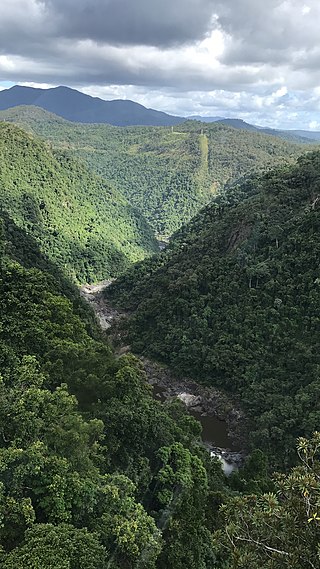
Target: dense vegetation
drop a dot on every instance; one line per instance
(279, 529)
(292, 136)
(81, 222)
(95, 474)
(168, 174)
(235, 302)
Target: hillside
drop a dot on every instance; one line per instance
(299, 136)
(79, 107)
(95, 473)
(79, 221)
(234, 302)
(303, 137)
(312, 134)
(167, 173)
(84, 448)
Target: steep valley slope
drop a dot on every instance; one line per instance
(97, 474)
(234, 301)
(79, 220)
(167, 173)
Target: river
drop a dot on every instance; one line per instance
(214, 434)
(207, 406)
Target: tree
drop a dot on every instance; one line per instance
(277, 530)
(182, 491)
(57, 547)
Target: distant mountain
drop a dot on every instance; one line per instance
(75, 106)
(235, 123)
(300, 136)
(314, 135)
(239, 123)
(78, 107)
(168, 174)
(204, 119)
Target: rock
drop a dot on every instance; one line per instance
(123, 350)
(189, 400)
(105, 314)
(198, 409)
(197, 398)
(204, 400)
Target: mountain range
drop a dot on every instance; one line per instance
(167, 173)
(79, 107)
(302, 136)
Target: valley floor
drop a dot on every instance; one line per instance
(222, 420)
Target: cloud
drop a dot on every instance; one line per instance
(273, 32)
(144, 22)
(125, 22)
(241, 56)
(87, 62)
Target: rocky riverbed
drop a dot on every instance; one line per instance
(222, 420)
(106, 314)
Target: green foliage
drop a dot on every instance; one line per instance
(96, 474)
(277, 530)
(57, 547)
(167, 173)
(182, 491)
(235, 301)
(79, 221)
(83, 444)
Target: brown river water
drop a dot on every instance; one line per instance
(214, 431)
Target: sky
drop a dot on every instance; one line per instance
(258, 60)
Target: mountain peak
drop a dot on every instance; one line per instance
(75, 106)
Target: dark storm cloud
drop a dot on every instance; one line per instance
(90, 64)
(273, 32)
(251, 51)
(137, 22)
(63, 37)
(36, 27)
(147, 22)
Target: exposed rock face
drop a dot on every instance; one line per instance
(190, 401)
(230, 461)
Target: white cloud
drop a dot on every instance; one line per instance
(305, 10)
(247, 58)
(314, 125)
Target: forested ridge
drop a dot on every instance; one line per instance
(96, 474)
(234, 302)
(77, 106)
(168, 173)
(81, 222)
(85, 450)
